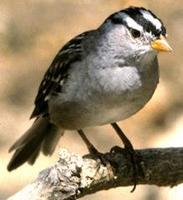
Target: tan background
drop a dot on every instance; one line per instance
(31, 33)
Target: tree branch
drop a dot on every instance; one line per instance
(73, 177)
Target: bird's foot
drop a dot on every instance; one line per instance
(135, 160)
(94, 152)
(103, 159)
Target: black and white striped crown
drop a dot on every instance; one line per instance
(140, 19)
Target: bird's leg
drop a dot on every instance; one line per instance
(135, 159)
(94, 151)
(91, 148)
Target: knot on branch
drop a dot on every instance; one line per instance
(64, 177)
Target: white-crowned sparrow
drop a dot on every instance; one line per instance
(99, 77)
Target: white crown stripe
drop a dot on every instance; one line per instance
(148, 16)
(131, 22)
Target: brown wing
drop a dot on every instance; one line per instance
(57, 73)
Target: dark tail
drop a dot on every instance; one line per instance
(42, 136)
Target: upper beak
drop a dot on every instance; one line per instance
(161, 44)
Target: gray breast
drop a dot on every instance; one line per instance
(103, 95)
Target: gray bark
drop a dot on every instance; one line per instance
(73, 177)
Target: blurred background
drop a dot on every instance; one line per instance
(31, 33)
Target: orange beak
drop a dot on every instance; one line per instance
(161, 44)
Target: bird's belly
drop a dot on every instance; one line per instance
(108, 101)
(77, 115)
(104, 115)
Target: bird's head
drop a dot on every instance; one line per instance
(138, 31)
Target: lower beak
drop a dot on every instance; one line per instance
(161, 44)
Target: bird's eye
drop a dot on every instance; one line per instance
(135, 33)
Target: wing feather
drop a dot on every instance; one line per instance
(57, 73)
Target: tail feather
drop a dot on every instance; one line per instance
(41, 136)
(33, 132)
(34, 155)
(50, 142)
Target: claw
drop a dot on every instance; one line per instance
(135, 160)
